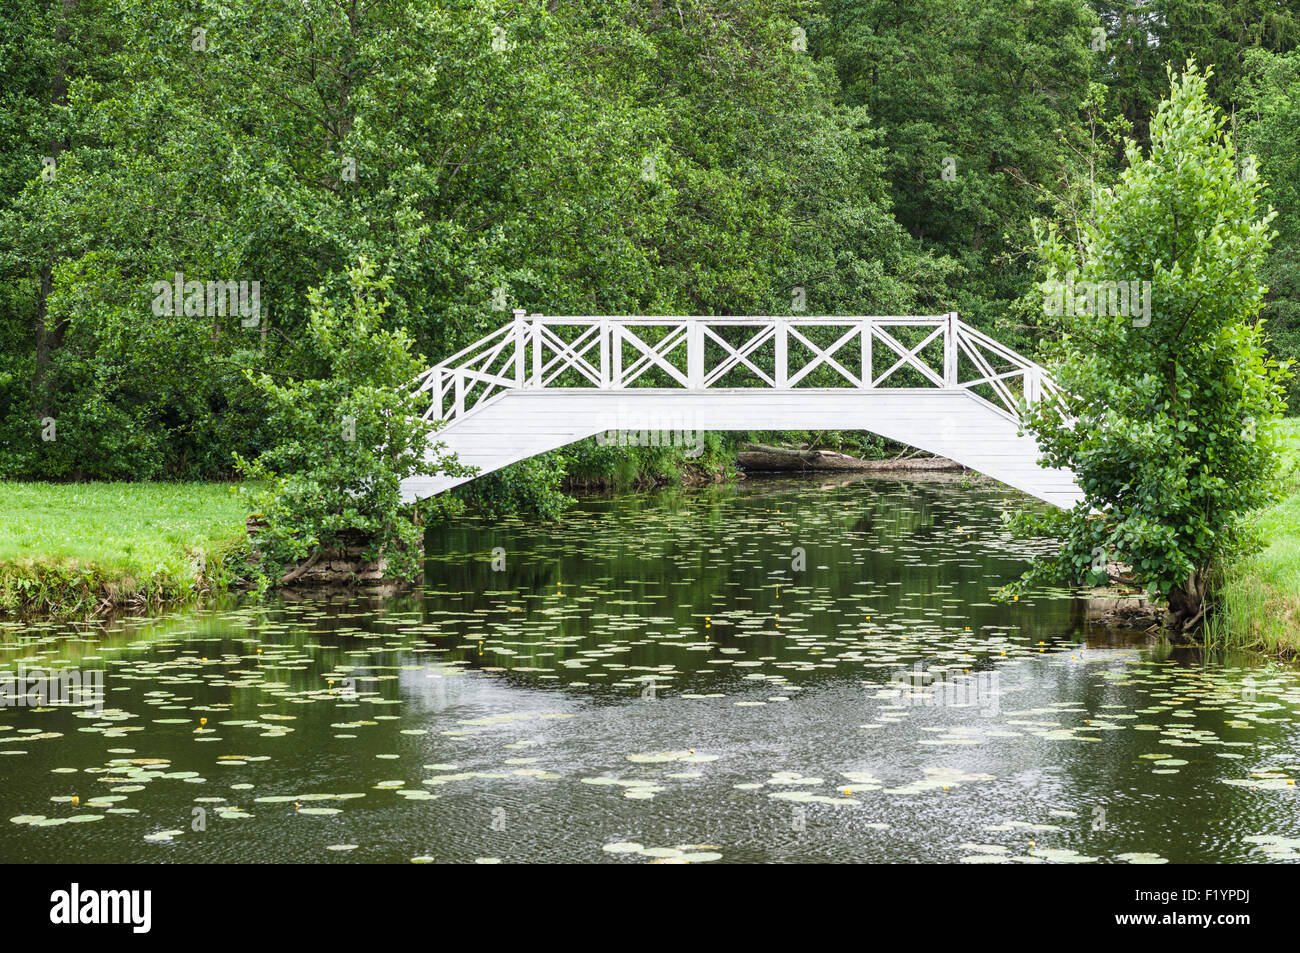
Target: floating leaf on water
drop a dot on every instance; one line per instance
(1141, 858)
(1060, 855)
(661, 852)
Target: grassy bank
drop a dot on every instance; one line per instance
(1259, 601)
(70, 549)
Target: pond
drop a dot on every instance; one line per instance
(772, 671)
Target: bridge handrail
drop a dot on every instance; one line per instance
(515, 356)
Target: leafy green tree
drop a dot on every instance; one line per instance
(1085, 169)
(1246, 41)
(1168, 416)
(344, 439)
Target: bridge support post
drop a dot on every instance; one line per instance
(604, 333)
(695, 356)
(782, 343)
(537, 350)
(868, 361)
(950, 351)
(521, 345)
(615, 355)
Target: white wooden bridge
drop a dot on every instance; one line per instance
(935, 383)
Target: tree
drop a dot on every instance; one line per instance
(1168, 413)
(344, 439)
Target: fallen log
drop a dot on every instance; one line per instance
(757, 456)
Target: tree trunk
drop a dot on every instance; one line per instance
(1188, 605)
(757, 456)
(293, 576)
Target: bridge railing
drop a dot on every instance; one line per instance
(935, 352)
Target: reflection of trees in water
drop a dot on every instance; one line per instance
(607, 533)
(727, 551)
(893, 516)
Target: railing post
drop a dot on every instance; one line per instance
(460, 393)
(537, 350)
(695, 355)
(782, 342)
(1031, 385)
(616, 355)
(868, 365)
(950, 351)
(604, 353)
(521, 345)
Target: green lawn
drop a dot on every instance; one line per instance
(1259, 602)
(69, 547)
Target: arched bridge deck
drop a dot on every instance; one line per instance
(933, 382)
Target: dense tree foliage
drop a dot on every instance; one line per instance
(971, 98)
(1144, 37)
(1246, 42)
(1270, 124)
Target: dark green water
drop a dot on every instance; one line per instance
(664, 671)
